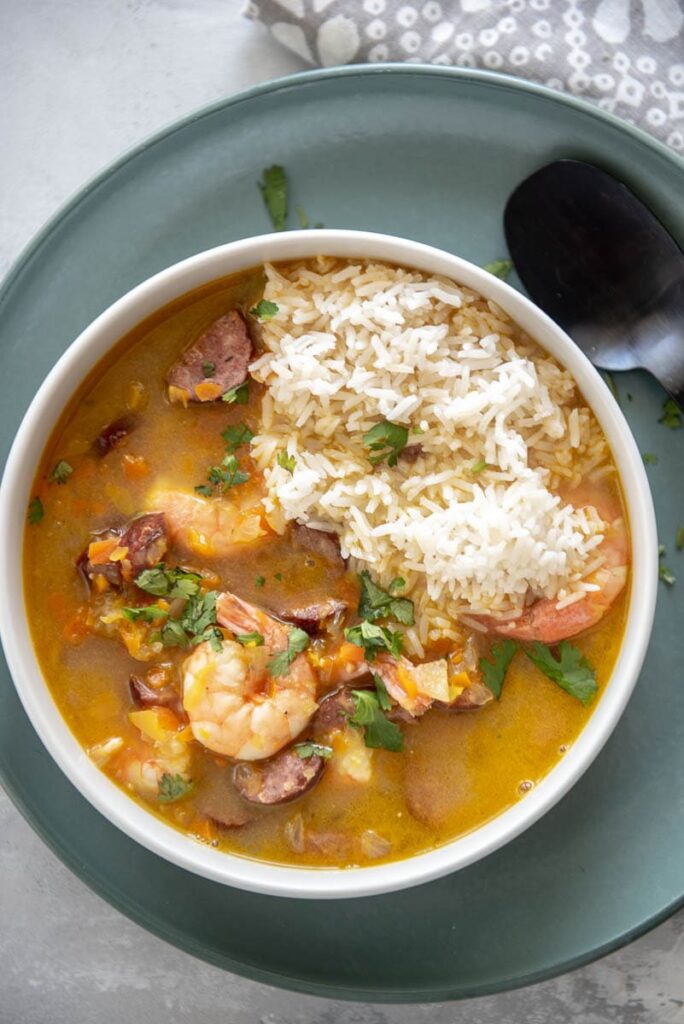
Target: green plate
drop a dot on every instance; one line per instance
(431, 154)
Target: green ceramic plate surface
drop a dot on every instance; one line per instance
(431, 154)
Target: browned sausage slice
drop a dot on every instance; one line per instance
(278, 780)
(145, 696)
(333, 713)
(318, 543)
(146, 540)
(113, 434)
(215, 363)
(312, 617)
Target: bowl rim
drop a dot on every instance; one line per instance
(84, 353)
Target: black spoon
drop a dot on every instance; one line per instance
(602, 266)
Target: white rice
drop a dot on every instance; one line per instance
(352, 345)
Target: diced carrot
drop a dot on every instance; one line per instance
(349, 652)
(207, 390)
(135, 467)
(158, 724)
(99, 551)
(407, 682)
(118, 554)
(100, 583)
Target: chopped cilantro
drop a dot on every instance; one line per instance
(264, 310)
(376, 603)
(236, 436)
(205, 490)
(374, 639)
(208, 369)
(309, 749)
(297, 641)
(60, 472)
(287, 462)
(238, 395)
(381, 690)
(494, 670)
(612, 386)
(417, 430)
(672, 414)
(145, 613)
(250, 639)
(174, 787)
(196, 624)
(679, 537)
(303, 219)
(278, 576)
(259, 581)
(650, 459)
(666, 575)
(398, 583)
(388, 440)
(378, 731)
(499, 268)
(227, 474)
(477, 467)
(273, 187)
(163, 582)
(571, 671)
(35, 511)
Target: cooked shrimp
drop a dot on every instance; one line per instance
(235, 708)
(211, 527)
(544, 620)
(142, 768)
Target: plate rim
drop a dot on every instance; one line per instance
(21, 263)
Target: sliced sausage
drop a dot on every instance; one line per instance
(318, 543)
(219, 357)
(113, 434)
(146, 539)
(312, 617)
(145, 696)
(218, 800)
(280, 779)
(333, 713)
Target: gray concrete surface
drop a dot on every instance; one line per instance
(82, 80)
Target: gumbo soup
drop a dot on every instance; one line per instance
(326, 564)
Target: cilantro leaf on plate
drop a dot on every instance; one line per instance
(499, 268)
(672, 415)
(273, 186)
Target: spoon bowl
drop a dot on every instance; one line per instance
(600, 263)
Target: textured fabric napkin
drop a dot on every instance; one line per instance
(627, 56)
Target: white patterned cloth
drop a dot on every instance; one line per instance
(627, 56)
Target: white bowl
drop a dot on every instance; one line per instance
(15, 493)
